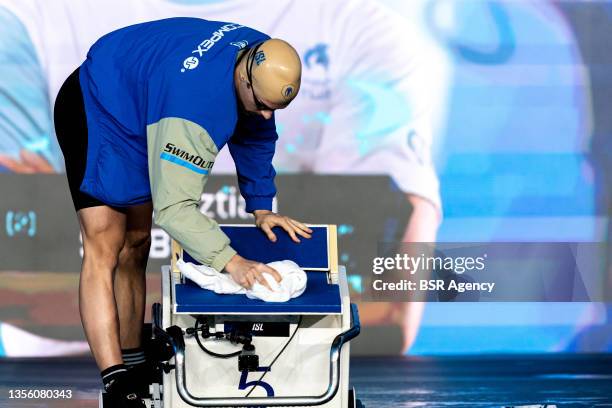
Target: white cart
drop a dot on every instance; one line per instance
(231, 351)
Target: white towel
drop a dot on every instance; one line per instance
(292, 285)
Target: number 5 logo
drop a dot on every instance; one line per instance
(244, 384)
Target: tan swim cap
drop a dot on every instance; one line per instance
(276, 72)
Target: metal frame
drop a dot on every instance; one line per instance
(174, 336)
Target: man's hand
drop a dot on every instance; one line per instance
(266, 220)
(246, 272)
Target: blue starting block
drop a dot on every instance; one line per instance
(232, 351)
(312, 255)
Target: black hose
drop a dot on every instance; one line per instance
(207, 351)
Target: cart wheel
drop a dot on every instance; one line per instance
(353, 401)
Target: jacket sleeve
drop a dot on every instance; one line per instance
(181, 154)
(252, 148)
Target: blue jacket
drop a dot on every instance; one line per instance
(179, 68)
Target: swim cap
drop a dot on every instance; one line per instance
(276, 71)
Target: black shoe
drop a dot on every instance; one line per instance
(122, 393)
(150, 372)
(144, 375)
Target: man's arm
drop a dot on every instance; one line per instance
(424, 221)
(252, 148)
(422, 227)
(181, 154)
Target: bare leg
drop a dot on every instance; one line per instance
(103, 230)
(130, 283)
